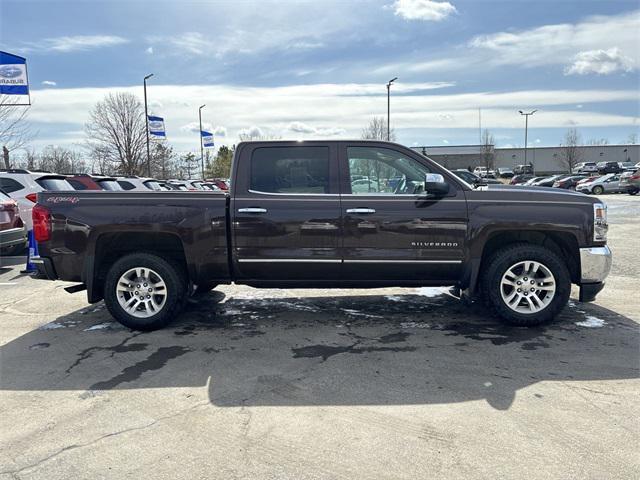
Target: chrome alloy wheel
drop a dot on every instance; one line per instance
(141, 292)
(527, 287)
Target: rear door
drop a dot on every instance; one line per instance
(392, 233)
(285, 212)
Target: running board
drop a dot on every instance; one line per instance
(75, 288)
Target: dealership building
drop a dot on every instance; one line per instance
(543, 159)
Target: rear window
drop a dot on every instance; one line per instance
(109, 185)
(54, 184)
(126, 185)
(290, 170)
(10, 185)
(153, 185)
(76, 184)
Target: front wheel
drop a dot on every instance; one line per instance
(526, 284)
(598, 190)
(143, 291)
(633, 192)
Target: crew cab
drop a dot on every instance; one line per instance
(293, 218)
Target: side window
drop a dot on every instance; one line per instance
(9, 185)
(290, 170)
(126, 185)
(384, 171)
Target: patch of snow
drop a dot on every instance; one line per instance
(414, 325)
(100, 326)
(232, 311)
(52, 326)
(429, 292)
(591, 322)
(358, 313)
(487, 384)
(394, 298)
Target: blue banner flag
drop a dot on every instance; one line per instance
(207, 139)
(13, 75)
(156, 127)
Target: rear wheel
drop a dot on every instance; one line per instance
(633, 191)
(526, 284)
(598, 190)
(143, 291)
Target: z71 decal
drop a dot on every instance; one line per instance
(73, 200)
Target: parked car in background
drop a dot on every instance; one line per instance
(211, 186)
(609, 167)
(224, 185)
(138, 183)
(473, 179)
(504, 172)
(179, 185)
(523, 170)
(23, 186)
(586, 167)
(609, 183)
(531, 181)
(520, 179)
(547, 181)
(568, 183)
(481, 171)
(13, 233)
(628, 166)
(630, 182)
(82, 181)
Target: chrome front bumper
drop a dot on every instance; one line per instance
(595, 264)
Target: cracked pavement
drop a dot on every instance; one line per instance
(315, 384)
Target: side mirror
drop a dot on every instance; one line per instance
(435, 186)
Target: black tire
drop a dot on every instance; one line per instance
(633, 192)
(173, 277)
(502, 260)
(597, 190)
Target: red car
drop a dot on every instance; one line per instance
(221, 184)
(84, 181)
(13, 233)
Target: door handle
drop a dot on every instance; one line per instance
(361, 210)
(252, 210)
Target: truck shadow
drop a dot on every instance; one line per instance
(342, 350)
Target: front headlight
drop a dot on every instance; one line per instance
(600, 225)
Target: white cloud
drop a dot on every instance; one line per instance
(75, 43)
(49, 83)
(602, 62)
(561, 44)
(220, 131)
(428, 10)
(330, 110)
(445, 141)
(252, 132)
(149, 50)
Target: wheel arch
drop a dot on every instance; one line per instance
(110, 246)
(563, 244)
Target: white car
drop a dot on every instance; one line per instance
(139, 183)
(585, 167)
(481, 171)
(24, 185)
(609, 183)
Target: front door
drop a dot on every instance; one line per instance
(392, 232)
(286, 212)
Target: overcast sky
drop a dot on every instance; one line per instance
(318, 69)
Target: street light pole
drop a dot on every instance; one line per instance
(526, 131)
(389, 108)
(146, 121)
(201, 144)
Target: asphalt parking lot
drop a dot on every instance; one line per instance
(310, 384)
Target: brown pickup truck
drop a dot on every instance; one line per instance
(326, 214)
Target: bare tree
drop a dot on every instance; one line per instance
(487, 150)
(377, 130)
(15, 131)
(598, 141)
(163, 161)
(570, 155)
(116, 132)
(632, 138)
(61, 160)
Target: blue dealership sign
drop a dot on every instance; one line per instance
(207, 139)
(13, 75)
